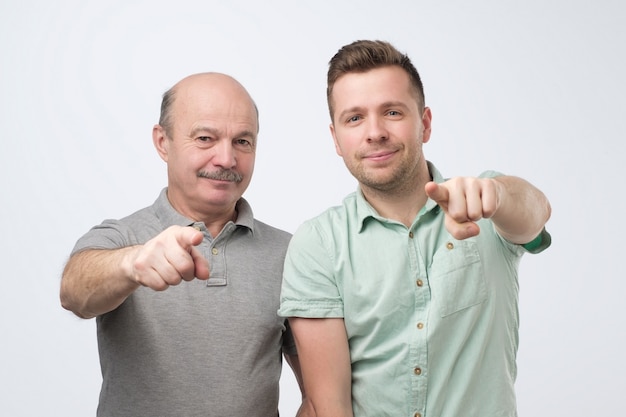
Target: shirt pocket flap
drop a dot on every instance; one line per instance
(456, 277)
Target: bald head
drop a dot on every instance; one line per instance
(201, 87)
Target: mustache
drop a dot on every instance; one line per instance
(222, 175)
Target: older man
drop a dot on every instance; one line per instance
(185, 291)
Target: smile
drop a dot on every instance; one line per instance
(379, 156)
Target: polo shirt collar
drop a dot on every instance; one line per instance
(169, 216)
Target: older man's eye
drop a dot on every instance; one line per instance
(244, 144)
(204, 141)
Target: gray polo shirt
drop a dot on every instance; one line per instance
(202, 348)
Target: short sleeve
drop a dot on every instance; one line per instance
(310, 288)
(110, 234)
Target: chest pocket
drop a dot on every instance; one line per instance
(456, 277)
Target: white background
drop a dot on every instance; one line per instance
(533, 88)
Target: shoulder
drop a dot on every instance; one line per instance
(267, 232)
(134, 229)
(336, 217)
(328, 230)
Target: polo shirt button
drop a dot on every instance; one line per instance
(417, 415)
(419, 282)
(420, 326)
(411, 235)
(195, 226)
(214, 251)
(450, 245)
(418, 371)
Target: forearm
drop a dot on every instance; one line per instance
(523, 210)
(305, 409)
(97, 281)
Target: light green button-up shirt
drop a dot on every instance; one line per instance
(432, 322)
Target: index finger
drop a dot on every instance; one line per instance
(437, 192)
(187, 237)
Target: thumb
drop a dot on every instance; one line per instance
(189, 238)
(201, 265)
(461, 230)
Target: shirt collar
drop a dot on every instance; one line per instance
(365, 211)
(169, 216)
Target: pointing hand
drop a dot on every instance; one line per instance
(465, 200)
(169, 258)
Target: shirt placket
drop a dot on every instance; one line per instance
(419, 347)
(213, 250)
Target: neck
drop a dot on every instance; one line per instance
(215, 224)
(214, 217)
(400, 208)
(401, 203)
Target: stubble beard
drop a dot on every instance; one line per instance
(401, 178)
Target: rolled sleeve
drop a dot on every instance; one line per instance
(309, 286)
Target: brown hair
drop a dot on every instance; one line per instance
(365, 55)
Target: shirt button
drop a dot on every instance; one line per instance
(450, 245)
(214, 251)
(195, 226)
(419, 282)
(411, 235)
(417, 415)
(420, 326)
(418, 371)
